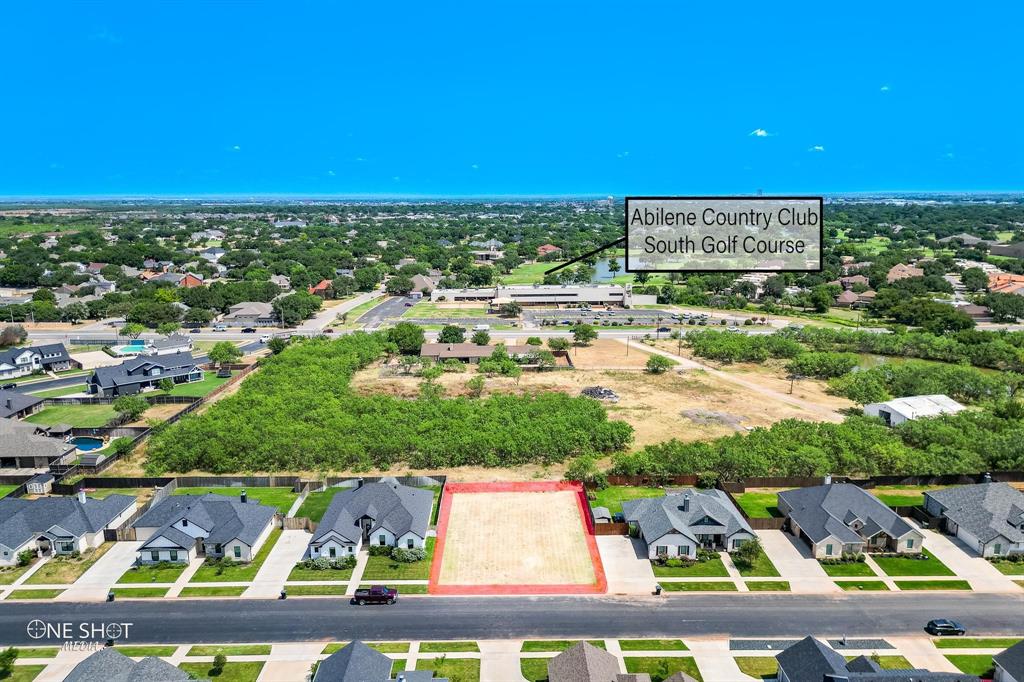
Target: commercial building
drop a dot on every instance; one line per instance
(619, 295)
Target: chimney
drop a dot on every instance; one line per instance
(243, 497)
(686, 502)
(81, 496)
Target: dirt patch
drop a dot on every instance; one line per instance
(609, 354)
(706, 417)
(161, 412)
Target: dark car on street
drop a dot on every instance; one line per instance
(376, 594)
(249, 330)
(943, 626)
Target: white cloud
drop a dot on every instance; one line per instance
(396, 178)
(622, 155)
(331, 173)
(759, 132)
(884, 88)
(236, 148)
(817, 148)
(949, 155)
(360, 159)
(475, 167)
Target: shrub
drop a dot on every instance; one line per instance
(328, 564)
(408, 556)
(26, 557)
(380, 550)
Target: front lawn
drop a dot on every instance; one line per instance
(712, 568)
(228, 571)
(225, 591)
(652, 645)
(534, 669)
(447, 647)
(197, 389)
(661, 668)
(142, 651)
(973, 664)
(975, 642)
(314, 590)
(34, 594)
(765, 667)
(454, 669)
(301, 573)
(230, 650)
(24, 673)
(282, 498)
(709, 586)
(759, 505)
(1004, 566)
(382, 647)
(768, 586)
(761, 568)
(888, 662)
(384, 568)
(9, 574)
(862, 585)
(140, 592)
(402, 589)
(156, 573)
(613, 496)
(910, 565)
(558, 645)
(910, 585)
(64, 570)
(852, 568)
(232, 672)
(80, 416)
(5, 490)
(36, 652)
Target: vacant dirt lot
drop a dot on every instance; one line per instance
(515, 538)
(609, 354)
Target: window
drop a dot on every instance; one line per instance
(66, 547)
(684, 550)
(910, 544)
(238, 552)
(997, 548)
(333, 552)
(736, 544)
(382, 539)
(828, 550)
(184, 523)
(155, 556)
(174, 555)
(218, 549)
(409, 543)
(661, 550)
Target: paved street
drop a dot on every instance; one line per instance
(747, 615)
(389, 308)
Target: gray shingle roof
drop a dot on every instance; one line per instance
(126, 373)
(661, 515)
(224, 518)
(12, 402)
(355, 662)
(826, 510)
(985, 510)
(52, 352)
(111, 665)
(397, 508)
(1012, 660)
(19, 439)
(172, 341)
(583, 662)
(23, 519)
(810, 660)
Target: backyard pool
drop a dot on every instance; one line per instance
(86, 443)
(134, 347)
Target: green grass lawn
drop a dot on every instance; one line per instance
(454, 669)
(911, 585)
(613, 496)
(197, 389)
(529, 273)
(713, 568)
(315, 590)
(759, 505)
(382, 568)
(299, 574)
(975, 642)
(81, 416)
(652, 645)
(282, 498)
(762, 568)
(446, 647)
(709, 586)
(888, 662)
(903, 495)
(158, 573)
(230, 650)
(848, 569)
(141, 592)
(315, 504)
(862, 585)
(232, 672)
(5, 490)
(897, 566)
(225, 591)
(36, 652)
(24, 673)
(402, 589)
(34, 594)
(538, 645)
(227, 571)
(432, 310)
(9, 574)
(382, 647)
(60, 392)
(973, 664)
(768, 586)
(534, 669)
(765, 667)
(1003, 566)
(660, 668)
(143, 651)
(64, 570)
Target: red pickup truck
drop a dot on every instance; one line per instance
(377, 594)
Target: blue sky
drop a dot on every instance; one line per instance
(509, 98)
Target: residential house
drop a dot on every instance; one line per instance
(51, 357)
(356, 662)
(811, 660)
(283, 282)
(847, 299)
(110, 665)
(95, 268)
(139, 373)
(489, 245)
(15, 405)
(1009, 665)
(212, 254)
(58, 525)
(900, 410)
(101, 285)
(381, 513)
(1015, 250)
(250, 314)
(54, 357)
(584, 662)
(988, 517)
(487, 256)
(901, 271)
(851, 280)
(469, 352)
(678, 525)
(289, 223)
(324, 289)
(1005, 283)
(180, 527)
(841, 518)
(966, 239)
(547, 249)
(23, 447)
(405, 261)
(169, 345)
(423, 284)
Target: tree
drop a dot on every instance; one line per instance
(1005, 307)
(974, 279)
(44, 295)
(534, 341)
(7, 658)
(476, 385)
(585, 470)
(658, 364)
(219, 661)
(131, 407)
(481, 338)
(168, 328)
(583, 334)
(613, 265)
(399, 285)
(277, 344)
(132, 330)
(296, 307)
(224, 352)
(13, 335)
(558, 343)
(74, 312)
(198, 316)
(166, 384)
(512, 309)
(451, 333)
(747, 554)
(407, 336)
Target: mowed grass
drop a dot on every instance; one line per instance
(613, 496)
(972, 664)
(454, 669)
(768, 586)
(227, 571)
(5, 490)
(902, 495)
(197, 389)
(382, 647)
(534, 669)
(976, 642)
(232, 672)
(143, 651)
(765, 667)
(529, 273)
(652, 645)
(383, 568)
(282, 498)
(315, 590)
(706, 586)
(230, 650)
(9, 574)
(80, 416)
(299, 573)
(761, 568)
(24, 673)
(889, 662)
(140, 592)
(444, 647)
(660, 668)
(157, 573)
(912, 585)
(60, 392)
(225, 591)
(34, 594)
(315, 504)
(1008, 567)
(36, 652)
(712, 568)
(909, 565)
(64, 570)
(853, 568)
(862, 585)
(557, 645)
(759, 505)
(402, 589)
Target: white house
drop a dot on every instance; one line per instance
(680, 524)
(988, 517)
(1009, 665)
(900, 410)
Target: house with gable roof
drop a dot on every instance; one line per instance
(678, 525)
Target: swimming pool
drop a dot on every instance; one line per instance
(86, 443)
(134, 347)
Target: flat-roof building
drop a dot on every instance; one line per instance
(549, 294)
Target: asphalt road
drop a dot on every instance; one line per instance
(297, 619)
(389, 308)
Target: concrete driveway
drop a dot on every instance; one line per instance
(272, 574)
(625, 565)
(793, 559)
(101, 576)
(960, 559)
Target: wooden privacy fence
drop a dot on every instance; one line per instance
(298, 523)
(611, 529)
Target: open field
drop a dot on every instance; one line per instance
(536, 549)
(609, 354)
(437, 310)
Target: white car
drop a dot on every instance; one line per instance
(265, 338)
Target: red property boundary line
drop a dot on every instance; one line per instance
(600, 586)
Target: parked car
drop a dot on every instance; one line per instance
(265, 338)
(329, 330)
(408, 304)
(195, 330)
(944, 626)
(664, 329)
(7, 386)
(376, 594)
(248, 330)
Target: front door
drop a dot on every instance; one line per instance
(367, 525)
